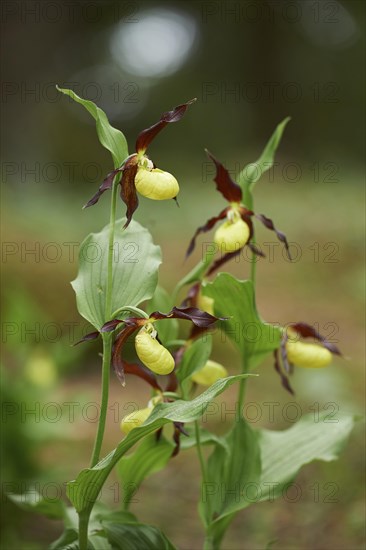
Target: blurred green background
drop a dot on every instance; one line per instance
(250, 64)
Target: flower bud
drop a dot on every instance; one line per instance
(205, 303)
(306, 355)
(153, 355)
(134, 419)
(209, 374)
(156, 184)
(232, 235)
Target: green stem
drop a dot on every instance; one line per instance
(106, 367)
(106, 364)
(203, 472)
(83, 531)
(208, 544)
(241, 394)
(107, 338)
(112, 227)
(253, 263)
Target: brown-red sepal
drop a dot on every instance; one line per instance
(128, 188)
(230, 190)
(142, 372)
(117, 361)
(146, 136)
(178, 430)
(268, 223)
(196, 316)
(307, 331)
(284, 380)
(204, 228)
(88, 337)
(105, 185)
(110, 326)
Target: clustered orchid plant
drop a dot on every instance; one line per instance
(182, 373)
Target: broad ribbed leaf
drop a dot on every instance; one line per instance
(135, 271)
(285, 452)
(282, 455)
(234, 468)
(85, 489)
(235, 299)
(32, 501)
(253, 171)
(133, 536)
(151, 456)
(111, 138)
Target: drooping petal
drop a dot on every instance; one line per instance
(128, 191)
(110, 326)
(307, 331)
(178, 430)
(106, 184)
(192, 296)
(256, 250)
(204, 228)
(230, 190)
(198, 317)
(221, 261)
(117, 361)
(146, 136)
(88, 337)
(268, 223)
(142, 372)
(284, 380)
(286, 364)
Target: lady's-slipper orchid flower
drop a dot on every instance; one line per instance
(151, 353)
(209, 374)
(134, 419)
(237, 230)
(155, 357)
(139, 172)
(138, 417)
(295, 353)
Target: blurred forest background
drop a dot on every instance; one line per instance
(250, 64)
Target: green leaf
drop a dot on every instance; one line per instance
(84, 491)
(135, 271)
(161, 301)
(111, 138)
(206, 438)
(253, 171)
(198, 271)
(195, 357)
(285, 452)
(68, 537)
(261, 464)
(32, 501)
(234, 468)
(235, 299)
(130, 536)
(151, 456)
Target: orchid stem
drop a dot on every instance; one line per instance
(203, 472)
(107, 338)
(106, 364)
(253, 265)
